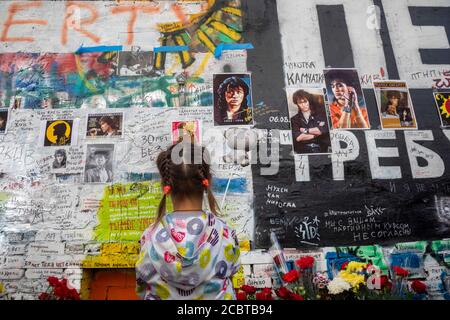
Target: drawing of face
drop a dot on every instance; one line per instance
(234, 97)
(303, 105)
(340, 89)
(100, 160)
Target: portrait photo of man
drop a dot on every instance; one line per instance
(309, 123)
(99, 163)
(104, 125)
(347, 105)
(232, 99)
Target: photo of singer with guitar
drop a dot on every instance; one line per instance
(346, 101)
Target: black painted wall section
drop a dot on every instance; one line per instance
(432, 16)
(336, 44)
(408, 201)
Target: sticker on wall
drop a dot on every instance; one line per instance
(346, 101)
(187, 131)
(61, 132)
(4, 113)
(442, 100)
(135, 62)
(233, 104)
(17, 102)
(104, 125)
(394, 105)
(99, 163)
(309, 121)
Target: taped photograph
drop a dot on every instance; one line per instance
(309, 121)
(394, 105)
(104, 125)
(99, 163)
(346, 103)
(233, 104)
(186, 131)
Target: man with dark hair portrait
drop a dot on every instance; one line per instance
(310, 132)
(232, 105)
(100, 173)
(108, 126)
(346, 109)
(393, 104)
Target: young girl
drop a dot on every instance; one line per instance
(188, 253)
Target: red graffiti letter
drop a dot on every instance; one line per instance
(133, 16)
(70, 20)
(13, 9)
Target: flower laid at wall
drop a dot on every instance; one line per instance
(58, 290)
(338, 286)
(247, 292)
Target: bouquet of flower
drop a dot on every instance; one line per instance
(292, 288)
(247, 292)
(399, 282)
(305, 268)
(58, 290)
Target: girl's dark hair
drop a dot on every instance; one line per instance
(232, 83)
(185, 177)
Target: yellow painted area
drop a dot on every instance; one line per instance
(203, 65)
(158, 60)
(219, 26)
(82, 74)
(235, 11)
(206, 41)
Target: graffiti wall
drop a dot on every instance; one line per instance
(340, 147)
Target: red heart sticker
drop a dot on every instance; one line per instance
(178, 236)
(169, 257)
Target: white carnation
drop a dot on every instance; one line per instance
(338, 285)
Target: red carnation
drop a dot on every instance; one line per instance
(74, 295)
(44, 296)
(283, 293)
(418, 286)
(241, 296)
(291, 276)
(264, 295)
(267, 290)
(248, 289)
(295, 296)
(400, 272)
(305, 262)
(385, 283)
(53, 281)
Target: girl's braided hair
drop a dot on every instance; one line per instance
(185, 178)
